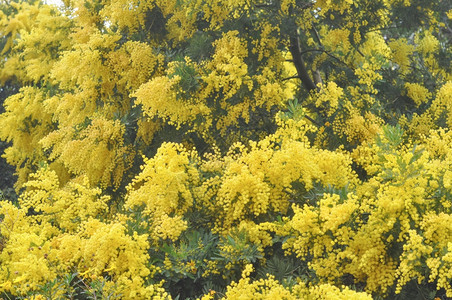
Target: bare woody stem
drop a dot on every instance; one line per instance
(299, 64)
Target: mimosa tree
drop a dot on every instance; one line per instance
(257, 149)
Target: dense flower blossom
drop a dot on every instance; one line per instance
(229, 149)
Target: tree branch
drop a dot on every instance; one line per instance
(299, 63)
(317, 35)
(291, 77)
(312, 120)
(327, 53)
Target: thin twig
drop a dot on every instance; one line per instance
(291, 77)
(312, 120)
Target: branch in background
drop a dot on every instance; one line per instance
(291, 77)
(317, 35)
(317, 78)
(316, 73)
(329, 54)
(299, 64)
(311, 50)
(312, 120)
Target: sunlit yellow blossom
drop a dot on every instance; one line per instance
(401, 53)
(418, 93)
